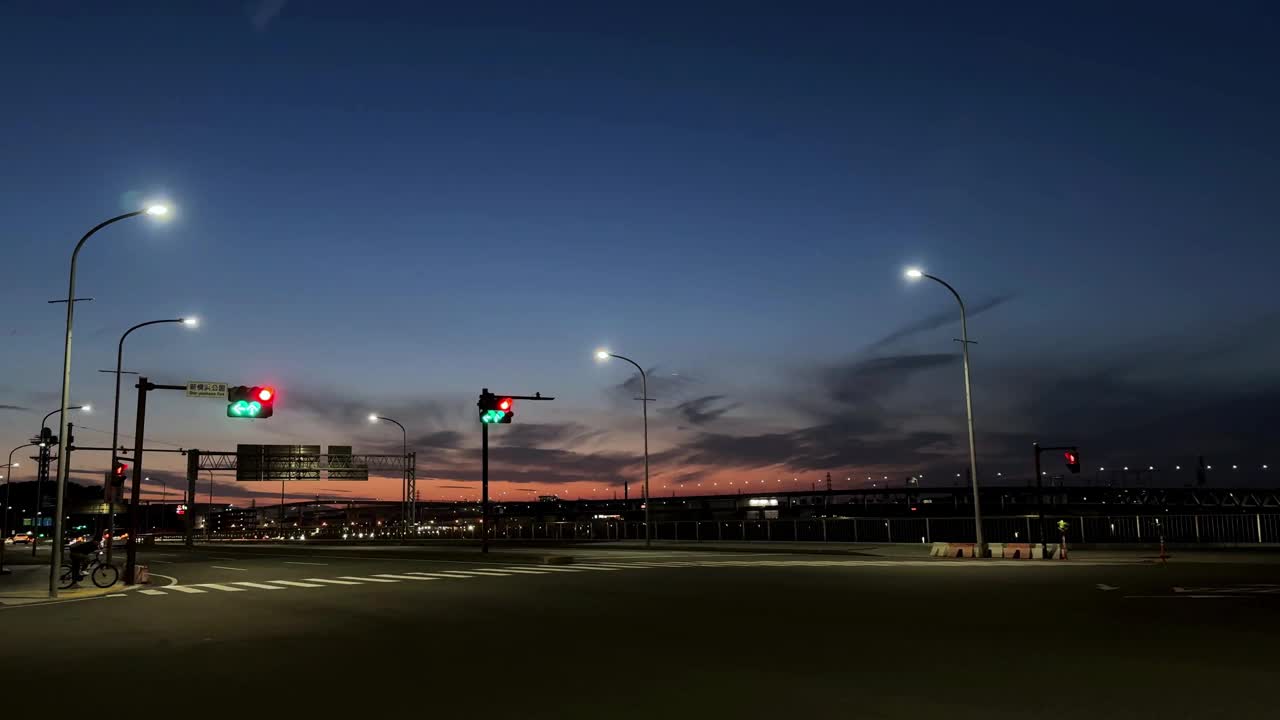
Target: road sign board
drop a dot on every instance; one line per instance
(201, 389)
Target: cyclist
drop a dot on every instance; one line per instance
(79, 553)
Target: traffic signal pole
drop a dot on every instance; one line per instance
(484, 487)
(1035, 446)
(135, 490)
(493, 409)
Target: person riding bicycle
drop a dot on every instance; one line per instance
(79, 554)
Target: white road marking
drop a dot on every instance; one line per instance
(522, 571)
(223, 567)
(222, 557)
(172, 580)
(259, 586)
(153, 592)
(452, 574)
(404, 577)
(217, 586)
(366, 579)
(548, 568)
(162, 562)
(332, 582)
(595, 567)
(295, 562)
(186, 589)
(1105, 587)
(295, 583)
(469, 573)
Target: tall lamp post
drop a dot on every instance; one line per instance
(604, 355)
(916, 274)
(55, 558)
(404, 481)
(8, 472)
(115, 414)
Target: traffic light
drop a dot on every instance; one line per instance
(119, 473)
(1073, 460)
(251, 402)
(494, 409)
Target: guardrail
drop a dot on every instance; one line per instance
(1242, 529)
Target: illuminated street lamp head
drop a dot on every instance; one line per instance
(373, 417)
(86, 408)
(191, 322)
(158, 210)
(914, 273)
(602, 354)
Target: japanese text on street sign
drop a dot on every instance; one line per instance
(216, 390)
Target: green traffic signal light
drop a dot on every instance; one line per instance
(242, 408)
(491, 417)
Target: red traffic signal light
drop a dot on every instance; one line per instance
(1073, 460)
(504, 404)
(119, 473)
(265, 394)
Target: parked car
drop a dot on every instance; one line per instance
(23, 538)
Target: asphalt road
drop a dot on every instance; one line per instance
(668, 634)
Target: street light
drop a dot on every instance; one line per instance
(604, 355)
(55, 557)
(916, 274)
(404, 480)
(115, 416)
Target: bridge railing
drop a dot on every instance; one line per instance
(1219, 529)
(1243, 528)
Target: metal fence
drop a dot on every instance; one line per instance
(1250, 528)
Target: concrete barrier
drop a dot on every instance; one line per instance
(960, 550)
(1016, 551)
(940, 549)
(995, 550)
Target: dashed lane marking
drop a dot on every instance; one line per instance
(295, 583)
(297, 562)
(224, 567)
(185, 589)
(403, 577)
(366, 579)
(219, 586)
(327, 581)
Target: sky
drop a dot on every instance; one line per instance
(385, 207)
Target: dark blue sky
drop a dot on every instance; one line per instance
(389, 205)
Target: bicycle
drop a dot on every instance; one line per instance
(102, 574)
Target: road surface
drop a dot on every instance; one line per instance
(237, 631)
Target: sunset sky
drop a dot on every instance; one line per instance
(384, 207)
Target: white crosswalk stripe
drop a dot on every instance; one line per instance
(185, 589)
(453, 575)
(549, 569)
(522, 571)
(149, 591)
(471, 573)
(366, 579)
(596, 567)
(328, 581)
(404, 577)
(259, 586)
(219, 586)
(295, 583)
